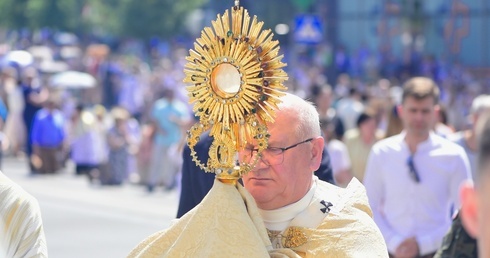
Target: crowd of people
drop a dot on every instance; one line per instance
(126, 82)
(411, 141)
(120, 129)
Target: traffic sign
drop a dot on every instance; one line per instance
(308, 29)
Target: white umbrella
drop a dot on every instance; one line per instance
(53, 67)
(70, 52)
(43, 53)
(20, 57)
(66, 38)
(72, 80)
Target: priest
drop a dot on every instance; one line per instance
(282, 210)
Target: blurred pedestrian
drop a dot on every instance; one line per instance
(86, 152)
(100, 128)
(339, 156)
(350, 108)
(195, 183)
(34, 97)
(467, 138)
(79, 141)
(48, 136)
(21, 226)
(360, 140)
(145, 151)
(476, 205)
(169, 116)
(322, 97)
(412, 179)
(110, 81)
(134, 134)
(119, 141)
(459, 242)
(14, 126)
(131, 93)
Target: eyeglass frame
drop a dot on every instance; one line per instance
(277, 148)
(412, 169)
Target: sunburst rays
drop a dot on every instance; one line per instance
(240, 41)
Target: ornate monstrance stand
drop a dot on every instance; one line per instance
(235, 80)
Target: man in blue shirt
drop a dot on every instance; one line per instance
(47, 138)
(169, 116)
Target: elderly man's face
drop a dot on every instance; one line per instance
(476, 212)
(277, 185)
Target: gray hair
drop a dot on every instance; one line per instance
(305, 113)
(480, 103)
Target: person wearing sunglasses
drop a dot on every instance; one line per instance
(412, 179)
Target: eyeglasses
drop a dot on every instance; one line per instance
(271, 155)
(412, 170)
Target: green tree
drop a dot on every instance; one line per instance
(302, 5)
(103, 17)
(164, 18)
(56, 14)
(131, 18)
(13, 14)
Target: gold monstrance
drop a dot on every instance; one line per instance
(235, 80)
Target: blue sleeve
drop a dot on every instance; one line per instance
(36, 130)
(3, 111)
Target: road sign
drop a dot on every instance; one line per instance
(308, 29)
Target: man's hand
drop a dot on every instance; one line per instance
(407, 249)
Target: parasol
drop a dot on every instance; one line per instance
(72, 80)
(18, 57)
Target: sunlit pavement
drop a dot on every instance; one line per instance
(82, 220)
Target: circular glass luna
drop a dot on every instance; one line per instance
(225, 80)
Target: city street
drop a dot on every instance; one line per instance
(81, 220)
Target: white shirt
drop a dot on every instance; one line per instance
(339, 156)
(349, 110)
(403, 208)
(131, 94)
(88, 144)
(459, 139)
